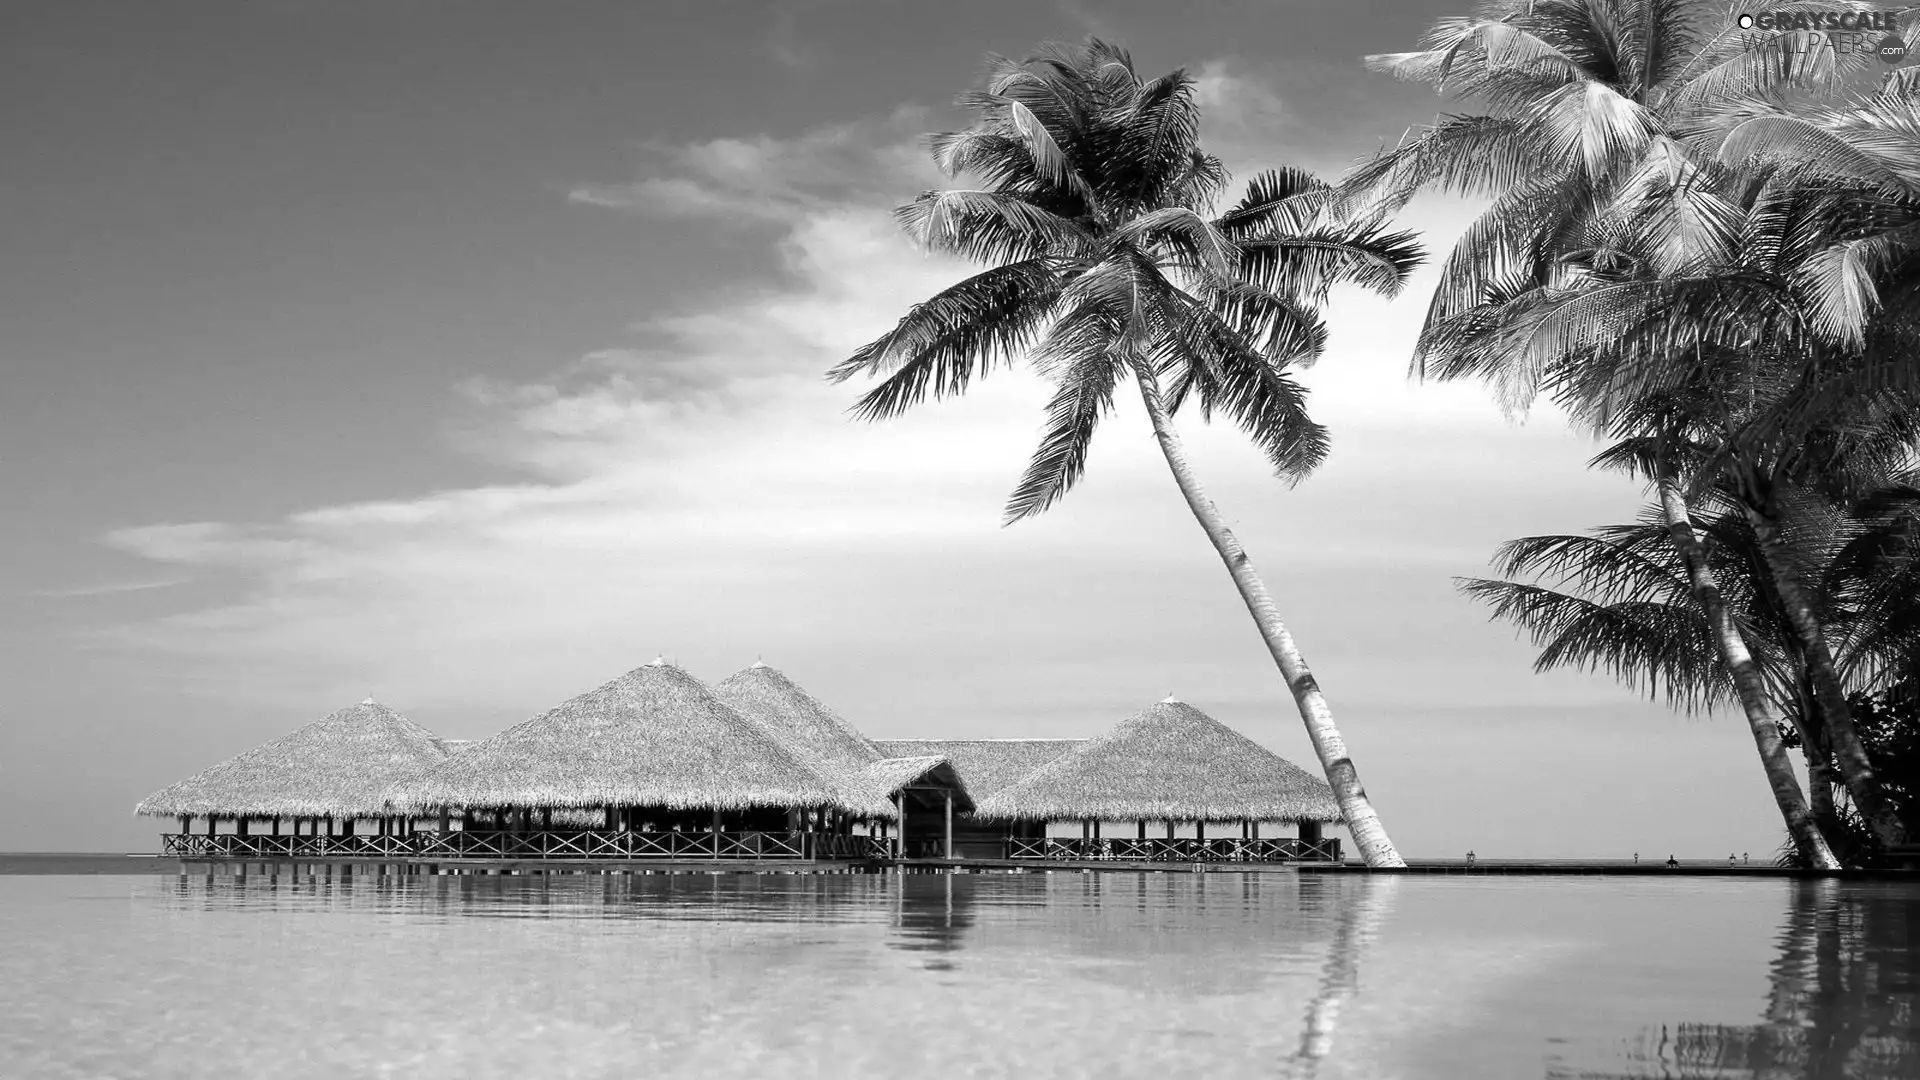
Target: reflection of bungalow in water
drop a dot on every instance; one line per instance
(657, 764)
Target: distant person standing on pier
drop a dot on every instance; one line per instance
(1730, 859)
(1672, 862)
(1469, 858)
(1636, 858)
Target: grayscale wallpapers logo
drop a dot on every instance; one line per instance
(1877, 32)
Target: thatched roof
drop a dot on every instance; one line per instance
(339, 766)
(984, 765)
(889, 775)
(764, 695)
(1170, 760)
(833, 745)
(656, 736)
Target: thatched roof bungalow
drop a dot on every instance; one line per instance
(339, 766)
(1170, 762)
(655, 737)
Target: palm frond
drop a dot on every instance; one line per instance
(1308, 263)
(1083, 397)
(1208, 356)
(1665, 649)
(942, 343)
(988, 226)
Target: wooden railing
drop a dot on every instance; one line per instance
(540, 844)
(597, 844)
(1178, 849)
(827, 846)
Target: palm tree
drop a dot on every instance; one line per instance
(1587, 103)
(1107, 263)
(1597, 149)
(1627, 600)
(1619, 600)
(1713, 370)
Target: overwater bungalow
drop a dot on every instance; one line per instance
(668, 768)
(318, 782)
(657, 764)
(1169, 765)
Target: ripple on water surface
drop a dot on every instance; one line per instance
(293, 974)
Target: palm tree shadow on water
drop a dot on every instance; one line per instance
(1843, 1001)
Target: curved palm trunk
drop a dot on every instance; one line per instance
(1801, 824)
(1849, 756)
(1369, 836)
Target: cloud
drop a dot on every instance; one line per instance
(763, 178)
(111, 588)
(700, 488)
(785, 44)
(1242, 116)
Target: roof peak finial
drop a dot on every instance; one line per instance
(1169, 699)
(369, 700)
(759, 660)
(659, 661)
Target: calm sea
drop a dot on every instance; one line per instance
(1039, 975)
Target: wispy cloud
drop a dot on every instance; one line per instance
(701, 488)
(764, 179)
(785, 43)
(111, 588)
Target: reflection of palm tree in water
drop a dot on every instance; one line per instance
(1359, 922)
(1844, 1002)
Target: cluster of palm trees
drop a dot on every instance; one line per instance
(1704, 246)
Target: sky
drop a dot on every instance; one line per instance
(469, 355)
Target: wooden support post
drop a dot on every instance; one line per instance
(1199, 830)
(213, 824)
(900, 842)
(1096, 828)
(1256, 830)
(186, 824)
(1169, 828)
(949, 824)
(1143, 828)
(546, 817)
(1086, 830)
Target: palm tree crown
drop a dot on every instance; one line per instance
(1095, 215)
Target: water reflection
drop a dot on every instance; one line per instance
(1360, 916)
(1843, 1001)
(932, 914)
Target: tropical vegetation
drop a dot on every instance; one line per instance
(1107, 262)
(1705, 247)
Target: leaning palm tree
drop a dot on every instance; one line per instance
(1107, 263)
(1708, 364)
(1620, 600)
(1626, 600)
